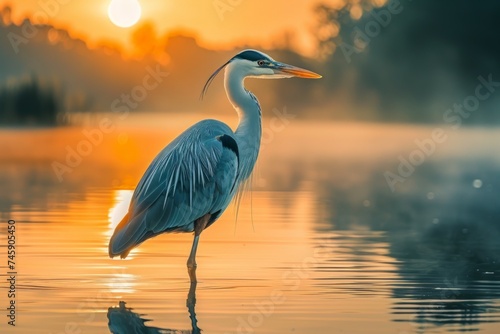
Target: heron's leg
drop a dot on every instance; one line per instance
(199, 226)
(191, 263)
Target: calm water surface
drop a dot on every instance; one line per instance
(319, 245)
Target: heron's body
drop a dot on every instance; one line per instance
(193, 179)
(178, 188)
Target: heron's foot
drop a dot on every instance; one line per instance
(192, 272)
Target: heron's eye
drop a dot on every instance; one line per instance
(261, 63)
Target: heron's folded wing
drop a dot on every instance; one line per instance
(192, 176)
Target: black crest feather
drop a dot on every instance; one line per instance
(212, 77)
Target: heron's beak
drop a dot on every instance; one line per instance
(296, 71)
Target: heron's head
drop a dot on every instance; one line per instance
(256, 64)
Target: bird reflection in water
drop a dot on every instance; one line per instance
(122, 320)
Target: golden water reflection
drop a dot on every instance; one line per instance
(320, 239)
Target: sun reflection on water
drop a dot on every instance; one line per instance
(117, 212)
(122, 282)
(119, 209)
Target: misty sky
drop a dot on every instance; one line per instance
(256, 22)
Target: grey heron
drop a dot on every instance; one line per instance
(193, 179)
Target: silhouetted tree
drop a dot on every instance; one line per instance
(30, 102)
(419, 61)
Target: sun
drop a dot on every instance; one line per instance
(124, 13)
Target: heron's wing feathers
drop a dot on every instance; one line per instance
(192, 176)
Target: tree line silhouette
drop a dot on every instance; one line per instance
(30, 101)
(403, 61)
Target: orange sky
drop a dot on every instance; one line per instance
(248, 22)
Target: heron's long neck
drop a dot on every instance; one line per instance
(249, 130)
